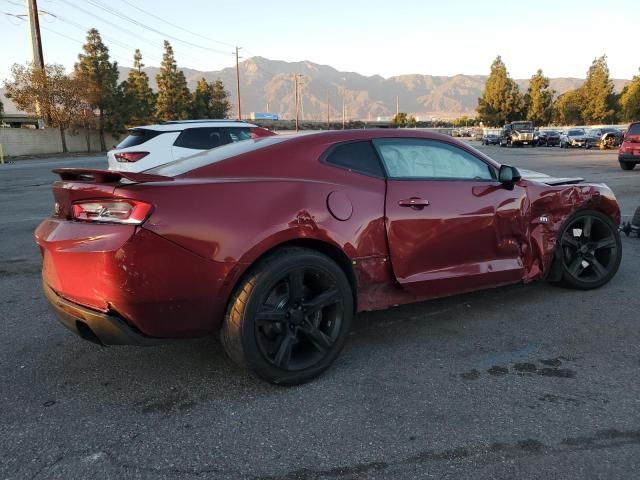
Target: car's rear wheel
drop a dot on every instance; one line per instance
(627, 165)
(289, 318)
(590, 250)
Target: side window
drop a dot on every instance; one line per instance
(356, 156)
(430, 160)
(239, 134)
(199, 138)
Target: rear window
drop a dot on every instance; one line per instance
(138, 136)
(356, 156)
(634, 129)
(199, 160)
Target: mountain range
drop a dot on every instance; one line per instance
(267, 85)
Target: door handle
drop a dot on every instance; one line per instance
(416, 203)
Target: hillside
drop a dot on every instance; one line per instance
(268, 85)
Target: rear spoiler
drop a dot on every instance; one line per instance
(107, 176)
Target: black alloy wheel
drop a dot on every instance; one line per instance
(590, 250)
(299, 320)
(290, 318)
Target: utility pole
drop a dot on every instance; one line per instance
(237, 80)
(36, 40)
(328, 113)
(344, 110)
(296, 84)
(36, 47)
(397, 106)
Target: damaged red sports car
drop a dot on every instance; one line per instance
(277, 242)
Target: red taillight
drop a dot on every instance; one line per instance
(130, 157)
(132, 212)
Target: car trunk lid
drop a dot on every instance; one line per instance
(78, 184)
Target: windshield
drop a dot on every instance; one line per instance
(523, 126)
(578, 131)
(202, 159)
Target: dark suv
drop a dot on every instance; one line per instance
(629, 152)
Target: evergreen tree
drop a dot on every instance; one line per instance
(201, 101)
(597, 93)
(539, 100)
(139, 99)
(220, 105)
(173, 94)
(629, 101)
(501, 101)
(100, 77)
(567, 109)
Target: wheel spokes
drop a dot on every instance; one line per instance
(586, 228)
(608, 243)
(270, 315)
(283, 355)
(576, 267)
(296, 285)
(570, 240)
(322, 300)
(597, 267)
(318, 338)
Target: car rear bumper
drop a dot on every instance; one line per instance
(628, 158)
(95, 326)
(135, 276)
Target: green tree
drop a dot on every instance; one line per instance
(1, 111)
(539, 100)
(220, 106)
(100, 77)
(48, 93)
(173, 94)
(501, 101)
(201, 100)
(139, 99)
(567, 109)
(399, 120)
(629, 102)
(597, 94)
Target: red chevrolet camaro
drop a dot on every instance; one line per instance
(277, 242)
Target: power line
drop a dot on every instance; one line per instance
(174, 25)
(83, 28)
(122, 16)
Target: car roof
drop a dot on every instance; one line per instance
(179, 125)
(305, 148)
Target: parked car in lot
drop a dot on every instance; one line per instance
(490, 139)
(517, 134)
(607, 137)
(577, 137)
(277, 242)
(153, 145)
(629, 152)
(548, 138)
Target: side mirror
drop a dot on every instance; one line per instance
(508, 176)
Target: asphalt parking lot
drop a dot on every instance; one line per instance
(530, 381)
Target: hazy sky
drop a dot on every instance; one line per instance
(369, 37)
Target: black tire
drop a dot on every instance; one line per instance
(590, 250)
(268, 328)
(627, 165)
(636, 218)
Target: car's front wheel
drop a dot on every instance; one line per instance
(289, 318)
(590, 250)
